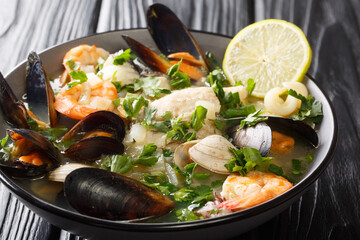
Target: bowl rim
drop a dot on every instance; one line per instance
(161, 227)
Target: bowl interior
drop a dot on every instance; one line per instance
(112, 41)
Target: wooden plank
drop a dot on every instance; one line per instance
(327, 210)
(26, 26)
(224, 17)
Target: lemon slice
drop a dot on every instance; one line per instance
(270, 52)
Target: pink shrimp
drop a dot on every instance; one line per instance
(252, 189)
(83, 99)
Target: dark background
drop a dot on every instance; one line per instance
(330, 208)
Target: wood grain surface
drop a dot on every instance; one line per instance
(330, 209)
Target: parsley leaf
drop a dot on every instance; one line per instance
(121, 164)
(187, 173)
(72, 65)
(198, 118)
(185, 214)
(149, 87)
(5, 149)
(124, 57)
(133, 103)
(250, 86)
(276, 169)
(159, 182)
(311, 109)
(179, 80)
(296, 164)
(252, 119)
(247, 159)
(77, 75)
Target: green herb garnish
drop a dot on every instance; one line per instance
(133, 103)
(179, 80)
(77, 75)
(124, 57)
(198, 118)
(149, 87)
(311, 109)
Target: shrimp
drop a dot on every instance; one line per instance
(85, 56)
(241, 192)
(93, 95)
(281, 143)
(276, 105)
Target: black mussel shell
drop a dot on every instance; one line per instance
(102, 194)
(105, 121)
(13, 110)
(41, 145)
(40, 95)
(91, 149)
(170, 34)
(146, 55)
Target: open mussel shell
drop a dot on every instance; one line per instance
(40, 95)
(13, 110)
(170, 34)
(105, 121)
(103, 194)
(91, 149)
(100, 133)
(40, 145)
(146, 55)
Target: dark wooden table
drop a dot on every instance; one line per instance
(331, 207)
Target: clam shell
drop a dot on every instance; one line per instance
(212, 153)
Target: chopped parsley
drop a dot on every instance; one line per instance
(311, 109)
(247, 159)
(252, 119)
(296, 165)
(198, 118)
(121, 164)
(72, 65)
(124, 57)
(77, 75)
(188, 172)
(133, 103)
(149, 86)
(5, 149)
(250, 86)
(179, 80)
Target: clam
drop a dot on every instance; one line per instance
(99, 133)
(60, 173)
(32, 154)
(260, 135)
(103, 194)
(211, 153)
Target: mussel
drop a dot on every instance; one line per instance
(32, 154)
(174, 40)
(171, 35)
(103, 194)
(40, 98)
(14, 111)
(99, 133)
(40, 95)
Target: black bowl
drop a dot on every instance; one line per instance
(215, 228)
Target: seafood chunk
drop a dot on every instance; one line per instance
(93, 95)
(108, 195)
(85, 56)
(183, 102)
(252, 189)
(101, 132)
(32, 154)
(40, 95)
